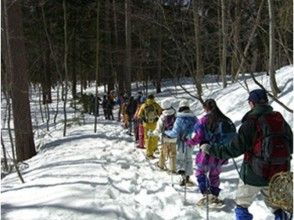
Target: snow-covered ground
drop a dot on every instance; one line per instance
(88, 175)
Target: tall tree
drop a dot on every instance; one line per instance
(65, 65)
(271, 64)
(97, 63)
(128, 46)
(18, 71)
(223, 62)
(198, 54)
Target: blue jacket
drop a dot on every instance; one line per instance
(183, 126)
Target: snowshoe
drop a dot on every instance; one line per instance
(151, 157)
(212, 200)
(161, 168)
(186, 181)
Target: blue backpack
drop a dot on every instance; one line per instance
(223, 133)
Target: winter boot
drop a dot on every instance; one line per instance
(281, 215)
(183, 181)
(242, 213)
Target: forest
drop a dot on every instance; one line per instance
(69, 45)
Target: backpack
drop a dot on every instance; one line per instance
(168, 122)
(223, 133)
(150, 114)
(271, 147)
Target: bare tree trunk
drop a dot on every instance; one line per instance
(236, 38)
(109, 72)
(97, 63)
(252, 34)
(198, 54)
(17, 68)
(223, 62)
(159, 58)
(119, 75)
(65, 65)
(128, 47)
(272, 48)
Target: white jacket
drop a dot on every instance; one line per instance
(159, 126)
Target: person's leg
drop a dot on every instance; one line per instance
(153, 141)
(141, 136)
(214, 180)
(201, 171)
(161, 162)
(245, 195)
(172, 157)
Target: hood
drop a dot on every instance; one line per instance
(186, 114)
(257, 111)
(167, 112)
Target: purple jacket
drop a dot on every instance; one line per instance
(199, 131)
(203, 159)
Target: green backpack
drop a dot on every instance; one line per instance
(150, 114)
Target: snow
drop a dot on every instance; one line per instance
(88, 175)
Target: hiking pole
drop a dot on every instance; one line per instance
(184, 175)
(207, 205)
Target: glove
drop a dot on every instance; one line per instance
(149, 133)
(205, 148)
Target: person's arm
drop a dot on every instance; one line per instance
(159, 126)
(174, 133)
(199, 132)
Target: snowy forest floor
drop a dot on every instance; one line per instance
(88, 175)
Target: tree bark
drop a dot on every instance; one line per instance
(65, 65)
(127, 78)
(272, 48)
(223, 63)
(198, 54)
(97, 63)
(17, 68)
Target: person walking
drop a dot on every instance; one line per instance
(213, 127)
(182, 128)
(266, 140)
(130, 111)
(168, 148)
(149, 114)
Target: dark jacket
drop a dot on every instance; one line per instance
(243, 142)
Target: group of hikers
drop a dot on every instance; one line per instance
(264, 138)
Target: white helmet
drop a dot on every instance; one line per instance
(184, 103)
(166, 104)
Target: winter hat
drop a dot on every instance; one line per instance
(258, 96)
(184, 103)
(166, 104)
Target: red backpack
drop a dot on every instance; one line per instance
(271, 151)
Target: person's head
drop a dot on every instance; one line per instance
(257, 97)
(184, 105)
(215, 113)
(151, 96)
(210, 105)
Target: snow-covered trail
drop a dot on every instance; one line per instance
(88, 175)
(98, 176)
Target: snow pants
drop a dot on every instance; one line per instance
(141, 135)
(168, 151)
(136, 129)
(245, 195)
(208, 169)
(150, 142)
(184, 158)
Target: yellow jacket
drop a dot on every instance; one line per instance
(148, 102)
